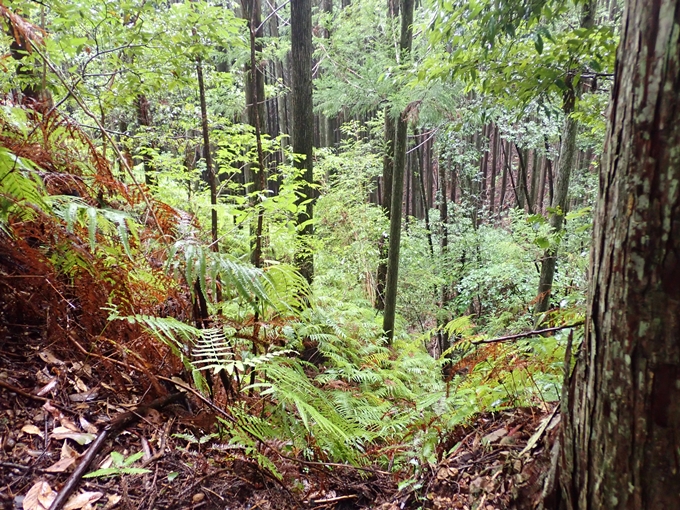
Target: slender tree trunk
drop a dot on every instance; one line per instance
(326, 122)
(442, 318)
(207, 155)
(520, 187)
(408, 184)
(621, 410)
(565, 164)
(256, 114)
(560, 204)
(541, 184)
(429, 170)
(492, 178)
(504, 177)
(397, 184)
(523, 178)
(303, 126)
(426, 212)
(485, 165)
(388, 168)
(145, 121)
(535, 174)
(508, 168)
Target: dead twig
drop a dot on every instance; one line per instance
(23, 393)
(527, 334)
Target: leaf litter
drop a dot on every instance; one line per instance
(496, 461)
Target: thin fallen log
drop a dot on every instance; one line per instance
(119, 422)
(527, 334)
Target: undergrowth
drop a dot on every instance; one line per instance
(302, 371)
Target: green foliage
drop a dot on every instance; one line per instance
(121, 466)
(22, 193)
(321, 383)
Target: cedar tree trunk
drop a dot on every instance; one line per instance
(621, 414)
(303, 126)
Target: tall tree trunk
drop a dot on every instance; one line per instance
(535, 174)
(520, 187)
(565, 164)
(256, 114)
(621, 414)
(207, 155)
(326, 126)
(541, 184)
(444, 294)
(388, 168)
(504, 177)
(485, 165)
(145, 121)
(405, 43)
(492, 178)
(560, 205)
(421, 180)
(523, 178)
(303, 127)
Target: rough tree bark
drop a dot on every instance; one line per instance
(303, 127)
(621, 414)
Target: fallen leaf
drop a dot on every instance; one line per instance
(106, 463)
(81, 500)
(50, 358)
(80, 385)
(48, 387)
(87, 426)
(39, 497)
(84, 397)
(56, 413)
(67, 452)
(79, 437)
(113, 501)
(61, 465)
(43, 376)
(494, 436)
(65, 422)
(32, 430)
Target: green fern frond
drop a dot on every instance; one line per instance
(110, 222)
(288, 385)
(213, 351)
(177, 335)
(21, 189)
(288, 289)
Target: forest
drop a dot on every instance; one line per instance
(385, 254)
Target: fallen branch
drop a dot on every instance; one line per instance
(527, 334)
(23, 393)
(117, 424)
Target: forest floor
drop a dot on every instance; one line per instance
(54, 401)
